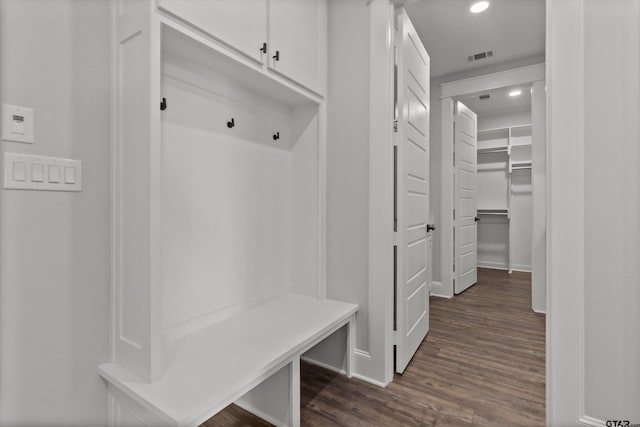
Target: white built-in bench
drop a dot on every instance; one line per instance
(221, 363)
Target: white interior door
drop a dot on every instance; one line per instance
(465, 184)
(412, 193)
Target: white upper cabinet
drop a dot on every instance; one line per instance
(240, 24)
(289, 36)
(296, 32)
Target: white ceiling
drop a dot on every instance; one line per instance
(513, 29)
(500, 102)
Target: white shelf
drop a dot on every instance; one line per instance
(514, 166)
(219, 364)
(191, 48)
(493, 150)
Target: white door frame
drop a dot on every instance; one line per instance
(449, 91)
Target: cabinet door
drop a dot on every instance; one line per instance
(240, 24)
(297, 33)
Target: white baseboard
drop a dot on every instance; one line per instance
(365, 357)
(258, 413)
(539, 311)
(523, 268)
(357, 353)
(437, 290)
(590, 421)
(324, 365)
(369, 380)
(493, 265)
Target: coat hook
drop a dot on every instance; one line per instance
(231, 123)
(276, 136)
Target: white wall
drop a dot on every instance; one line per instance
(359, 176)
(348, 159)
(504, 120)
(539, 182)
(54, 246)
(593, 336)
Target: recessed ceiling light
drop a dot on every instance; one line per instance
(515, 92)
(479, 6)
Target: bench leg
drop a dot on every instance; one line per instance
(351, 346)
(294, 392)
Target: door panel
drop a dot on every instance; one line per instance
(240, 24)
(295, 33)
(466, 169)
(412, 195)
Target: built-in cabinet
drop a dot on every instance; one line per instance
(504, 198)
(218, 205)
(286, 36)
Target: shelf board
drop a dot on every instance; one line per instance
(185, 46)
(217, 365)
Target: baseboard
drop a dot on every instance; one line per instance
(590, 421)
(539, 311)
(258, 413)
(493, 265)
(365, 357)
(523, 268)
(437, 290)
(324, 365)
(369, 380)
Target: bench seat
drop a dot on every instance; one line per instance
(219, 364)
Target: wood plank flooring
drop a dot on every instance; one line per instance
(482, 364)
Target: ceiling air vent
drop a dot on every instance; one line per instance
(484, 97)
(480, 55)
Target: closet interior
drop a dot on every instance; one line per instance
(504, 198)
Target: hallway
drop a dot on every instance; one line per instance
(482, 364)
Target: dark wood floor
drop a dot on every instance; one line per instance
(482, 364)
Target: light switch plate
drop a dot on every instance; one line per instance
(17, 123)
(26, 172)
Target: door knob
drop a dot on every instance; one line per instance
(430, 227)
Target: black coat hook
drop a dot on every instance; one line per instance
(276, 136)
(231, 123)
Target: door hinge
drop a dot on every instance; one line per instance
(395, 126)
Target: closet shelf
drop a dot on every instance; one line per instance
(490, 150)
(513, 166)
(494, 212)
